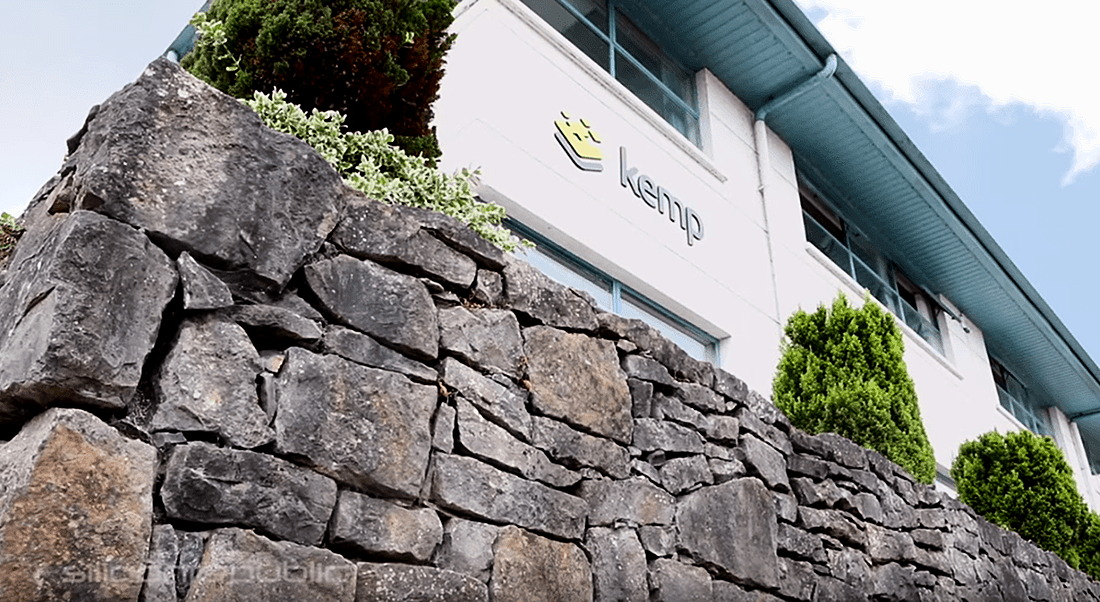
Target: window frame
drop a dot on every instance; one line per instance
(613, 13)
(884, 274)
(1034, 418)
(618, 290)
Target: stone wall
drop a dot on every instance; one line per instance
(226, 376)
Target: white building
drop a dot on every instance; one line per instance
(708, 166)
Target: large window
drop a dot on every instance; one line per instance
(1014, 398)
(860, 258)
(612, 295)
(601, 30)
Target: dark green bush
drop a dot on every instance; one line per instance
(842, 371)
(378, 62)
(1022, 482)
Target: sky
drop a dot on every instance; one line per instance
(1002, 99)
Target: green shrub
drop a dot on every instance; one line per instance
(370, 163)
(842, 371)
(379, 62)
(1022, 482)
(1088, 544)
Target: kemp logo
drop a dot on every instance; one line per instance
(579, 140)
(660, 198)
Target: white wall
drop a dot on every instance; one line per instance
(507, 79)
(509, 76)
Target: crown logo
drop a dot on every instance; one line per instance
(579, 141)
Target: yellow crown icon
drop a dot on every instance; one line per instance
(579, 141)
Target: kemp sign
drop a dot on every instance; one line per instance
(582, 144)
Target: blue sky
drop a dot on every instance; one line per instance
(1013, 127)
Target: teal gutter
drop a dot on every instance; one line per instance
(826, 72)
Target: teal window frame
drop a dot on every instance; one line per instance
(618, 298)
(882, 286)
(615, 48)
(1013, 397)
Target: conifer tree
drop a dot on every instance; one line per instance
(842, 371)
(378, 62)
(1022, 482)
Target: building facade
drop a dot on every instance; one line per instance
(710, 166)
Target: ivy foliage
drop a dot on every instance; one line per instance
(842, 371)
(1022, 482)
(369, 162)
(379, 62)
(10, 231)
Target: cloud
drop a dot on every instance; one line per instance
(995, 53)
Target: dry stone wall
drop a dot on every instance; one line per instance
(226, 376)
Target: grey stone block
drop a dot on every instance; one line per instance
(365, 427)
(76, 499)
(270, 322)
(682, 474)
(362, 349)
(574, 448)
(201, 289)
(206, 484)
(724, 429)
(381, 529)
(486, 338)
(618, 565)
(207, 178)
(658, 541)
(468, 548)
(764, 461)
(635, 501)
(207, 383)
(489, 287)
(660, 435)
(534, 294)
(498, 402)
(191, 547)
(407, 583)
(732, 527)
(471, 487)
(668, 408)
(443, 429)
(673, 581)
(492, 443)
(244, 567)
(701, 397)
(160, 576)
(644, 368)
(79, 313)
(392, 307)
(530, 568)
(591, 394)
(391, 234)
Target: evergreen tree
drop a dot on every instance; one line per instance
(1022, 482)
(378, 62)
(842, 371)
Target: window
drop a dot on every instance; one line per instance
(600, 30)
(1014, 398)
(612, 295)
(858, 256)
(1092, 452)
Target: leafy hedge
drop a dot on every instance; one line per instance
(379, 62)
(1022, 482)
(370, 163)
(842, 371)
